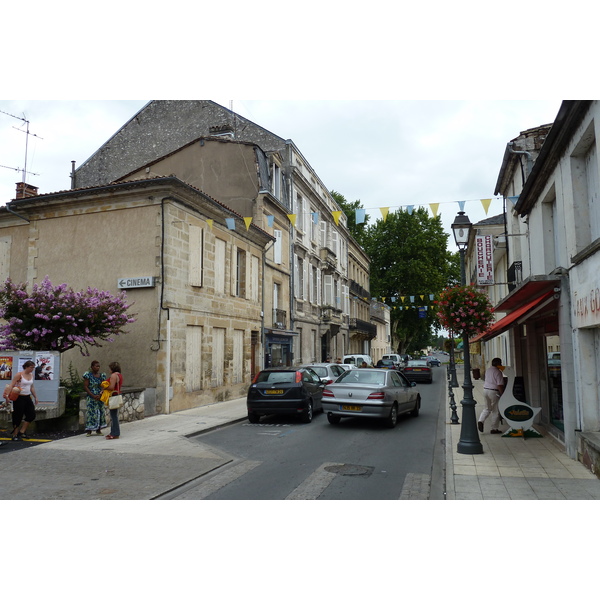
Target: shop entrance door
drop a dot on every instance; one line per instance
(554, 381)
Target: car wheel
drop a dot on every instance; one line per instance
(392, 419)
(415, 411)
(333, 419)
(307, 415)
(253, 418)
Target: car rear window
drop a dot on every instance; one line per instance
(276, 377)
(320, 371)
(362, 376)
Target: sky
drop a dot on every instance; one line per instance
(386, 153)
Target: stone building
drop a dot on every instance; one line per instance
(263, 177)
(196, 339)
(550, 317)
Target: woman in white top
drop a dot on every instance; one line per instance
(23, 407)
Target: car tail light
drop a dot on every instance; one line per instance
(376, 396)
(328, 393)
(298, 376)
(329, 381)
(256, 378)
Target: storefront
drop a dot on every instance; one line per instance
(278, 348)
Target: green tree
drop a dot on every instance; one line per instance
(410, 257)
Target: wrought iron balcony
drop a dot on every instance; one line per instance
(279, 319)
(515, 275)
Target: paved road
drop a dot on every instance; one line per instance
(355, 460)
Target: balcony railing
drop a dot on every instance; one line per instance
(279, 319)
(363, 327)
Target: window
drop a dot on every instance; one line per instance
(299, 278)
(237, 375)
(195, 256)
(276, 181)
(4, 258)
(277, 247)
(219, 266)
(254, 278)
(218, 356)
(239, 270)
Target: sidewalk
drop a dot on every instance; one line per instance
(151, 457)
(512, 468)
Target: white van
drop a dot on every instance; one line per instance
(395, 357)
(357, 359)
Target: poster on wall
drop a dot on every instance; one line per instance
(6, 363)
(44, 366)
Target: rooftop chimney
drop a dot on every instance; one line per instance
(25, 190)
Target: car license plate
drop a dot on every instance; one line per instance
(351, 407)
(274, 392)
(417, 369)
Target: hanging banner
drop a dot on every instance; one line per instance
(484, 252)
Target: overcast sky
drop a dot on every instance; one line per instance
(385, 153)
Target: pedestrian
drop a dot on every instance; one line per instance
(23, 407)
(96, 415)
(493, 387)
(115, 383)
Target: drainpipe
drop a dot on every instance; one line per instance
(10, 210)
(262, 310)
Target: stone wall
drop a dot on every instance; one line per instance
(132, 409)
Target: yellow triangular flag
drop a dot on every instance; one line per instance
(384, 213)
(247, 220)
(336, 216)
(292, 218)
(421, 296)
(486, 204)
(434, 208)
(210, 222)
(402, 298)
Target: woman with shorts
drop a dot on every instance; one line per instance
(23, 407)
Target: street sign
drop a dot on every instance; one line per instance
(135, 282)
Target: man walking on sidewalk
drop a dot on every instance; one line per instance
(493, 387)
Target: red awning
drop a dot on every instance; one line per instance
(531, 288)
(506, 323)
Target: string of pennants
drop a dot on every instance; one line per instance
(360, 213)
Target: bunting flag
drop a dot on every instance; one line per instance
(336, 216)
(315, 218)
(292, 218)
(461, 205)
(384, 213)
(270, 220)
(412, 299)
(513, 199)
(409, 209)
(230, 223)
(248, 221)
(359, 215)
(434, 208)
(210, 223)
(486, 204)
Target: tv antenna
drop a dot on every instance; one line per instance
(27, 134)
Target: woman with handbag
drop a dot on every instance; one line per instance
(23, 407)
(95, 413)
(115, 383)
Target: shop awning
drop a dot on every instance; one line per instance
(507, 322)
(533, 287)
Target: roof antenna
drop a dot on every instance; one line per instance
(27, 134)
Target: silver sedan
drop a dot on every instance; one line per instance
(374, 393)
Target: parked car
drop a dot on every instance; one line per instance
(434, 361)
(386, 363)
(328, 372)
(285, 391)
(418, 370)
(371, 393)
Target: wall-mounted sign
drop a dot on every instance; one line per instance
(484, 253)
(135, 282)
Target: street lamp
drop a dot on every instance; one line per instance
(469, 442)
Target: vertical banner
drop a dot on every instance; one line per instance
(484, 251)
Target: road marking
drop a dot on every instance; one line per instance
(314, 485)
(215, 483)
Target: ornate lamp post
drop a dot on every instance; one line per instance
(469, 442)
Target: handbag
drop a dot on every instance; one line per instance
(12, 393)
(115, 402)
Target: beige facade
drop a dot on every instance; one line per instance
(196, 339)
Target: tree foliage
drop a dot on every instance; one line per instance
(409, 257)
(58, 319)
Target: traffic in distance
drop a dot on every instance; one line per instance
(353, 389)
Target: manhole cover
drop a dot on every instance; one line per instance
(350, 470)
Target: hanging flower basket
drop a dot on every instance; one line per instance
(464, 310)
